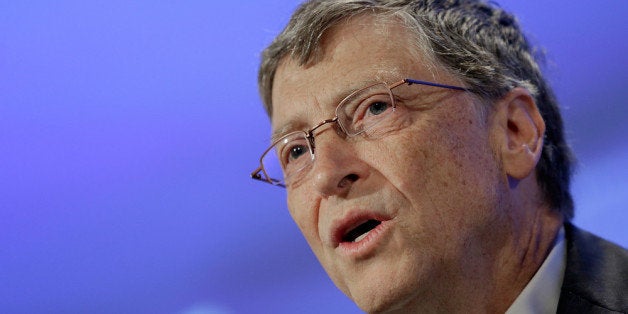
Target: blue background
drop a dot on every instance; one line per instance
(128, 131)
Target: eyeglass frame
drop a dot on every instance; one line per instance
(309, 134)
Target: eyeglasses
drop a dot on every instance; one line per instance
(370, 111)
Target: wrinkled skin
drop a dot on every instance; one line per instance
(463, 226)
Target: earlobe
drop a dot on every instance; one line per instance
(523, 129)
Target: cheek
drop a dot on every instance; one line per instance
(448, 170)
(304, 213)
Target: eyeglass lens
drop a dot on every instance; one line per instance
(292, 156)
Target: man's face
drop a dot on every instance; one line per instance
(430, 189)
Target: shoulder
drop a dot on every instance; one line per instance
(596, 274)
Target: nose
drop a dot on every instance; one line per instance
(337, 165)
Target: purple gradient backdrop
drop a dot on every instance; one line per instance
(128, 131)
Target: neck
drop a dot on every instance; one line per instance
(528, 248)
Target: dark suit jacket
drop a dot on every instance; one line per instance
(596, 275)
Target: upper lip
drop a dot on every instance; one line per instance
(341, 227)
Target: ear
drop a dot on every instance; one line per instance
(521, 132)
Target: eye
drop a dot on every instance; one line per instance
(291, 153)
(371, 110)
(378, 108)
(365, 108)
(295, 152)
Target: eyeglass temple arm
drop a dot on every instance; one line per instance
(411, 81)
(257, 175)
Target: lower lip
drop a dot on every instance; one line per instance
(367, 246)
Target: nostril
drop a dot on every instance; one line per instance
(348, 179)
(352, 177)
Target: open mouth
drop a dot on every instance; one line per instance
(361, 231)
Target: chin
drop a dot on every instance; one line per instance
(390, 280)
(384, 293)
(385, 301)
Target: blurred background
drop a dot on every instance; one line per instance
(128, 130)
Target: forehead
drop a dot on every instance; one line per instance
(362, 50)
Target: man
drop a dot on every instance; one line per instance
(425, 163)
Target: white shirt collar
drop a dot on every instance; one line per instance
(541, 294)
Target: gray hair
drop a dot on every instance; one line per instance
(476, 41)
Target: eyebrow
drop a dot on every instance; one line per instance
(296, 124)
(287, 128)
